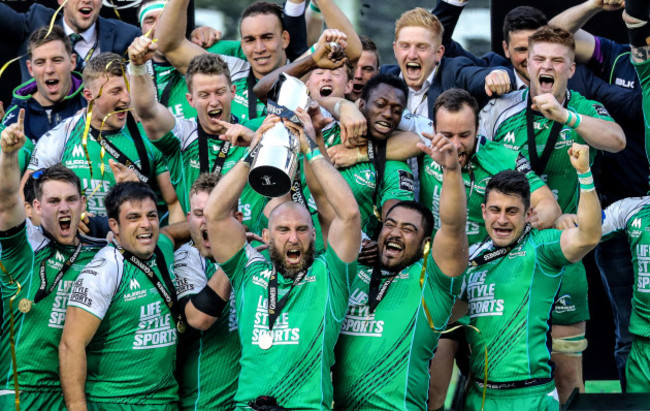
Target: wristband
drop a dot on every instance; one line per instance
(314, 8)
(570, 118)
(312, 49)
(313, 155)
(137, 70)
(208, 302)
(360, 157)
(586, 181)
(577, 123)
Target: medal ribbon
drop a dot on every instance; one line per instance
(43, 291)
(204, 160)
(275, 306)
(499, 252)
(376, 293)
(539, 165)
(168, 296)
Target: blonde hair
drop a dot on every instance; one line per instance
(419, 17)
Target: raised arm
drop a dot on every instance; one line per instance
(636, 20)
(170, 31)
(545, 208)
(336, 19)
(573, 18)
(578, 241)
(223, 199)
(156, 119)
(12, 209)
(598, 133)
(449, 248)
(204, 308)
(80, 327)
(345, 231)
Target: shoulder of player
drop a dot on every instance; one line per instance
(107, 261)
(61, 133)
(187, 255)
(499, 109)
(254, 257)
(583, 105)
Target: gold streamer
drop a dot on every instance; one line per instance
(427, 253)
(12, 337)
(148, 33)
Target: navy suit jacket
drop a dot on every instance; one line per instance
(458, 72)
(15, 28)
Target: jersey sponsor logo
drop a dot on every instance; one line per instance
(358, 320)
(59, 305)
(183, 285)
(177, 110)
(624, 83)
(78, 151)
(79, 294)
(133, 284)
(282, 332)
(482, 301)
(8, 117)
(96, 262)
(155, 329)
(540, 125)
(643, 262)
(509, 137)
(601, 110)
(522, 164)
(262, 278)
(636, 223)
(406, 181)
(366, 178)
(245, 209)
(564, 304)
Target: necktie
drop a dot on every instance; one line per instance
(74, 39)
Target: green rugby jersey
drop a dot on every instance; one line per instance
(504, 120)
(208, 361)
(382, 359)
(132, 356)
(510, 300)
(181, 149)
(490, 158)
(163, 75)
(296, 369)
(397, 184)
(632, 215)
(63, 144)
(38, 331)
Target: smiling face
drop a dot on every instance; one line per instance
(264, 43)
(550, 66)
(59, 210)
(417, 50)
(516, 49)
(81, 14)
(505, 217)
(290, 237)
(328, 83)
(114, 97)
(367, 66)
(460, 128)
(51, 65)
(401, 240)
(137, 227)
(211, 96)
(383, 110)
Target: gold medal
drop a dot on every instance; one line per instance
(181, 327)
(24, 305)
(266, 341)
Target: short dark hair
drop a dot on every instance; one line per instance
(453, 101)
(209, 64)
(263, 7)
(427, 215)
(41, 36)
(381, 78)
(28, 189)
(57, 172)
(123, 192)
(510, 182)
(522, 18)
(368, 45)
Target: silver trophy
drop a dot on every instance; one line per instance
(276, 159)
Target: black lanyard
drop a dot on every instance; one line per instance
(168, 296)
(539, 165)
(275, 306)
(252, 98)
(472, 179)
(143, 173)
(376, 293)
(204, 160)
(43, 290)
(492, 255)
